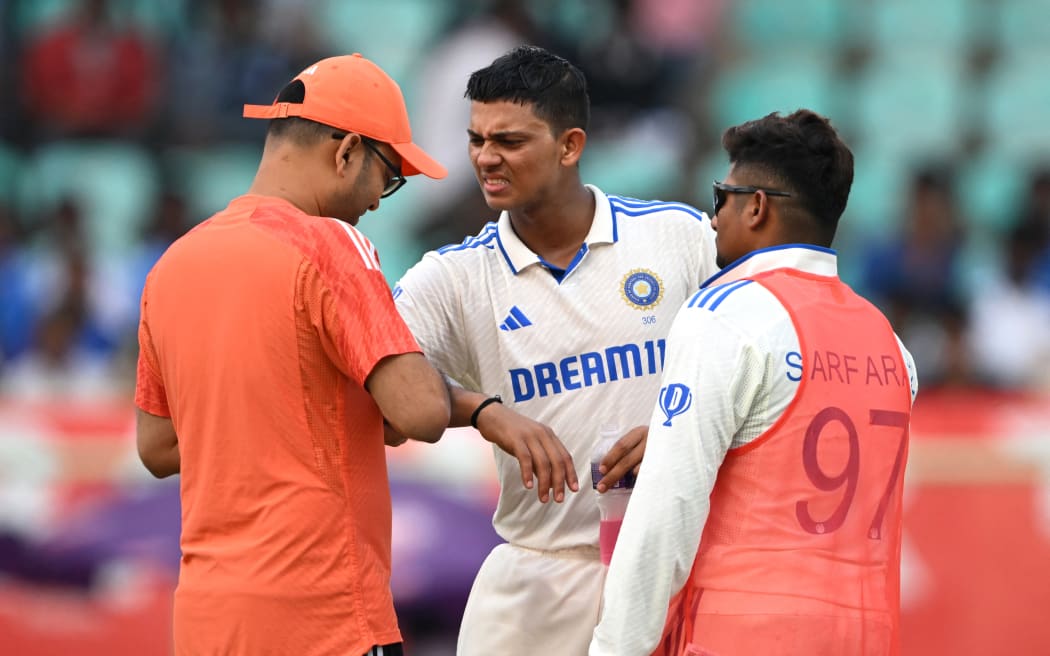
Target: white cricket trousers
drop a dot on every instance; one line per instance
(526, 602)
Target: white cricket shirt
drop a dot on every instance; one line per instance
(574, 353)
(734, 346)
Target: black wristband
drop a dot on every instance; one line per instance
(482, 406)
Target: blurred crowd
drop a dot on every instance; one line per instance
(123, 129)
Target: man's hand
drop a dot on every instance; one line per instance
(625, 456)
(538, 450)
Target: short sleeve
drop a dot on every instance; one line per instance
(150, 395)
(351, 307)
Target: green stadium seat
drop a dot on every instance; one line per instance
(395, 34)
(945, 26)
(635, 167)
(167, 17)
(769, 24)
(880, 185)
(114, 183)
(210, 177)
(912, 105)
(571, 17)
(1023, 26)
(1016, 103)
(29, 16)
(991, 189)
(782, 82)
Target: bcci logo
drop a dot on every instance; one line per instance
(674, 400)
(642, 289)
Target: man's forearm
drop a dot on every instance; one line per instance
(464, 403)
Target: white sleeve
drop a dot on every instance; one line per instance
(718, 373)
(909, 363)
(427, 297)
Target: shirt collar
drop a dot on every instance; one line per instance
(804, 257)
(519, 256)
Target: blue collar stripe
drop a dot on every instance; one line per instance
(729, 290)
(482, 239)
(639, 208)
(782, 247)
(506, 255)
(721, 291)
(576, 260)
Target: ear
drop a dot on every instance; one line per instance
(572, 144)
(344, 150)
(758, 211)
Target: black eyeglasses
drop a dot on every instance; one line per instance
(396, 180)
(722, 190)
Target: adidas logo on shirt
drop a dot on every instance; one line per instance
(515, 320)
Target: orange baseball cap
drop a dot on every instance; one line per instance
(353, 94)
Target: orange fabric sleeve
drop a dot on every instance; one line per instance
(354, 313)
(150, 394)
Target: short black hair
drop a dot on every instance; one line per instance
(531, 75)
(301, 131)
(801, 153)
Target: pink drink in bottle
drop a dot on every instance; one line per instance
(612, 504)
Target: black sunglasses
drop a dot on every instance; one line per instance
(722, 190)
(396, 181)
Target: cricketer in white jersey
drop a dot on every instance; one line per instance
(572, 350)
(749, 366)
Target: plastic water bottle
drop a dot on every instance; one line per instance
(612, 504)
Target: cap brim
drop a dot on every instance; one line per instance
(414, 161)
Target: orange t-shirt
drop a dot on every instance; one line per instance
(258, 330)
(801, 551)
